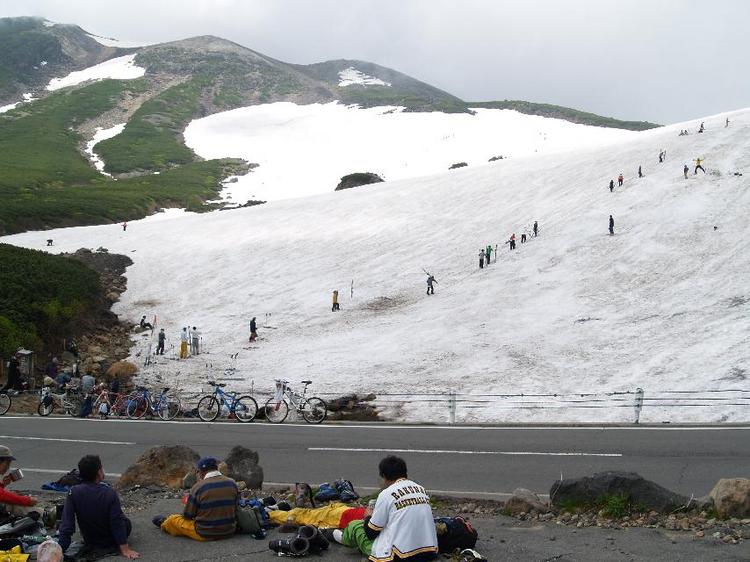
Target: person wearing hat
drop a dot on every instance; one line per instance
(211, 509)
(15, 504)
(96, 506)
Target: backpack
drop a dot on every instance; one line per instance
(454, 533)
(248, 522)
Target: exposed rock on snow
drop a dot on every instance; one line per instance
(358, 179)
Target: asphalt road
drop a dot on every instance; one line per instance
(476, 461)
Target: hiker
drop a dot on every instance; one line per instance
(611, 225)
(184, 344)
(49, 241)
(335, 306)
(14, 375)
(145, 325)
(488, 253)
(195, 341)
(430, 281)
(661, 156)
(700, 130)
(611, 185)
(253, 330)
(620, 180)
(512, 241)
(87, 383)
(162, 340)
(727, 123)
(71, 346)
(536, 229)
(211, 509)
(124, 226)
(401, 521)
(96, 506)
(51, 369)
(685, 170)
(640, 172)
(15, 504)
(523, 238)
(698, 166)
(481, 258)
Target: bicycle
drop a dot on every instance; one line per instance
(244, 408)
(5, 402)
(68, 400)
(313, 409)
(117, 404)
(143, 402)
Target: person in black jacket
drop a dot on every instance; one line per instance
(611, 225)
(253, 330)
(162, 340)
(14, 375)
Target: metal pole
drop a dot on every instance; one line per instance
(638, 404)
(452, 407)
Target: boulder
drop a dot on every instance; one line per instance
(161, 466)
(358, 179)
(242, 464)
(732, 497)
(458, 165)
(591, 490)
(524, 501)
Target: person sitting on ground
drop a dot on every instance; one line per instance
(145, 325)
(401, 526)
(15, 504)
(211, 509)
(96, 506)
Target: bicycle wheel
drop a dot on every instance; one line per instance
(169, 407)
(208, 408)
(314, 410)
(45, 411)
(276, 412)
(72, 405)
(5, 403)
(137, 407)
(245, 409)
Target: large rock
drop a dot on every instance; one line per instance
(161, 466)
(732, 497)
(590, 491)
(242, 464)
(524, 501)
(358, 179)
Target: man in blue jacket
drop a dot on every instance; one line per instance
(97, 508)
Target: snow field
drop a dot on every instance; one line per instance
(119, 68)
(306, 149)
(100, 135)
(351, 76)
(662, 305)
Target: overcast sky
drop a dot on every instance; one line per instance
(656, 60)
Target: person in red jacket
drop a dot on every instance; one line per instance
(15, 504)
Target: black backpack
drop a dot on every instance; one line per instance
(454, 533)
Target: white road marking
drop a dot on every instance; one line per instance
(25, 438)
(449, 451)
(406, 426)
(63, 471)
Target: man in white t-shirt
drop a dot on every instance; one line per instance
(401, 526)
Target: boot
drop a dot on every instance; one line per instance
(296, 546)
(316, 539)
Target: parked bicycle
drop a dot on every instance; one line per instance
(313, 409)
(69, 401)
(164, 405)
(5, 402)
(244, 408)
(117, 404)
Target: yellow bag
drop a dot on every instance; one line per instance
(13, 555)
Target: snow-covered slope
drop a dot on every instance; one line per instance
(120, 68)
(664, 304)
(306, 149)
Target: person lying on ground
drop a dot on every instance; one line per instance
(96, 507)
(15, 504)
(332, 516)
(211, 509)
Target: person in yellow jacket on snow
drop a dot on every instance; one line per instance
(335, 301)
(184, 338)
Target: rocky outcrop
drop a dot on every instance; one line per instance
(592, 490)
(732, 497)
(458, 165)
(353, 407)
(358, 179)
(524, 501)
(242, 466)
(161, 466)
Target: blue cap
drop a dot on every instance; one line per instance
(208, 463)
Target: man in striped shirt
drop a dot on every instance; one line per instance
(211, 509)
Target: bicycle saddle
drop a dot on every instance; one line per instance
(306, 382)
(166, 389)
(221, 384)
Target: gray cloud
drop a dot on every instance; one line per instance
(663, 61)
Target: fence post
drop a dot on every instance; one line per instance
(638, 404)
(452, 406)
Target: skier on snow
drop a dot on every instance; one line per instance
(430, 280)
(611, 225)
(620, 180)
(698, 166)
(611, 185)
(481, 258)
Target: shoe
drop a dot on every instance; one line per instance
(469, 555)
(158, 520)
(284, 506)
(270, 500)
(318, 542)
(326, 493)
(346, 490)
(303, 495)
(328, 534)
